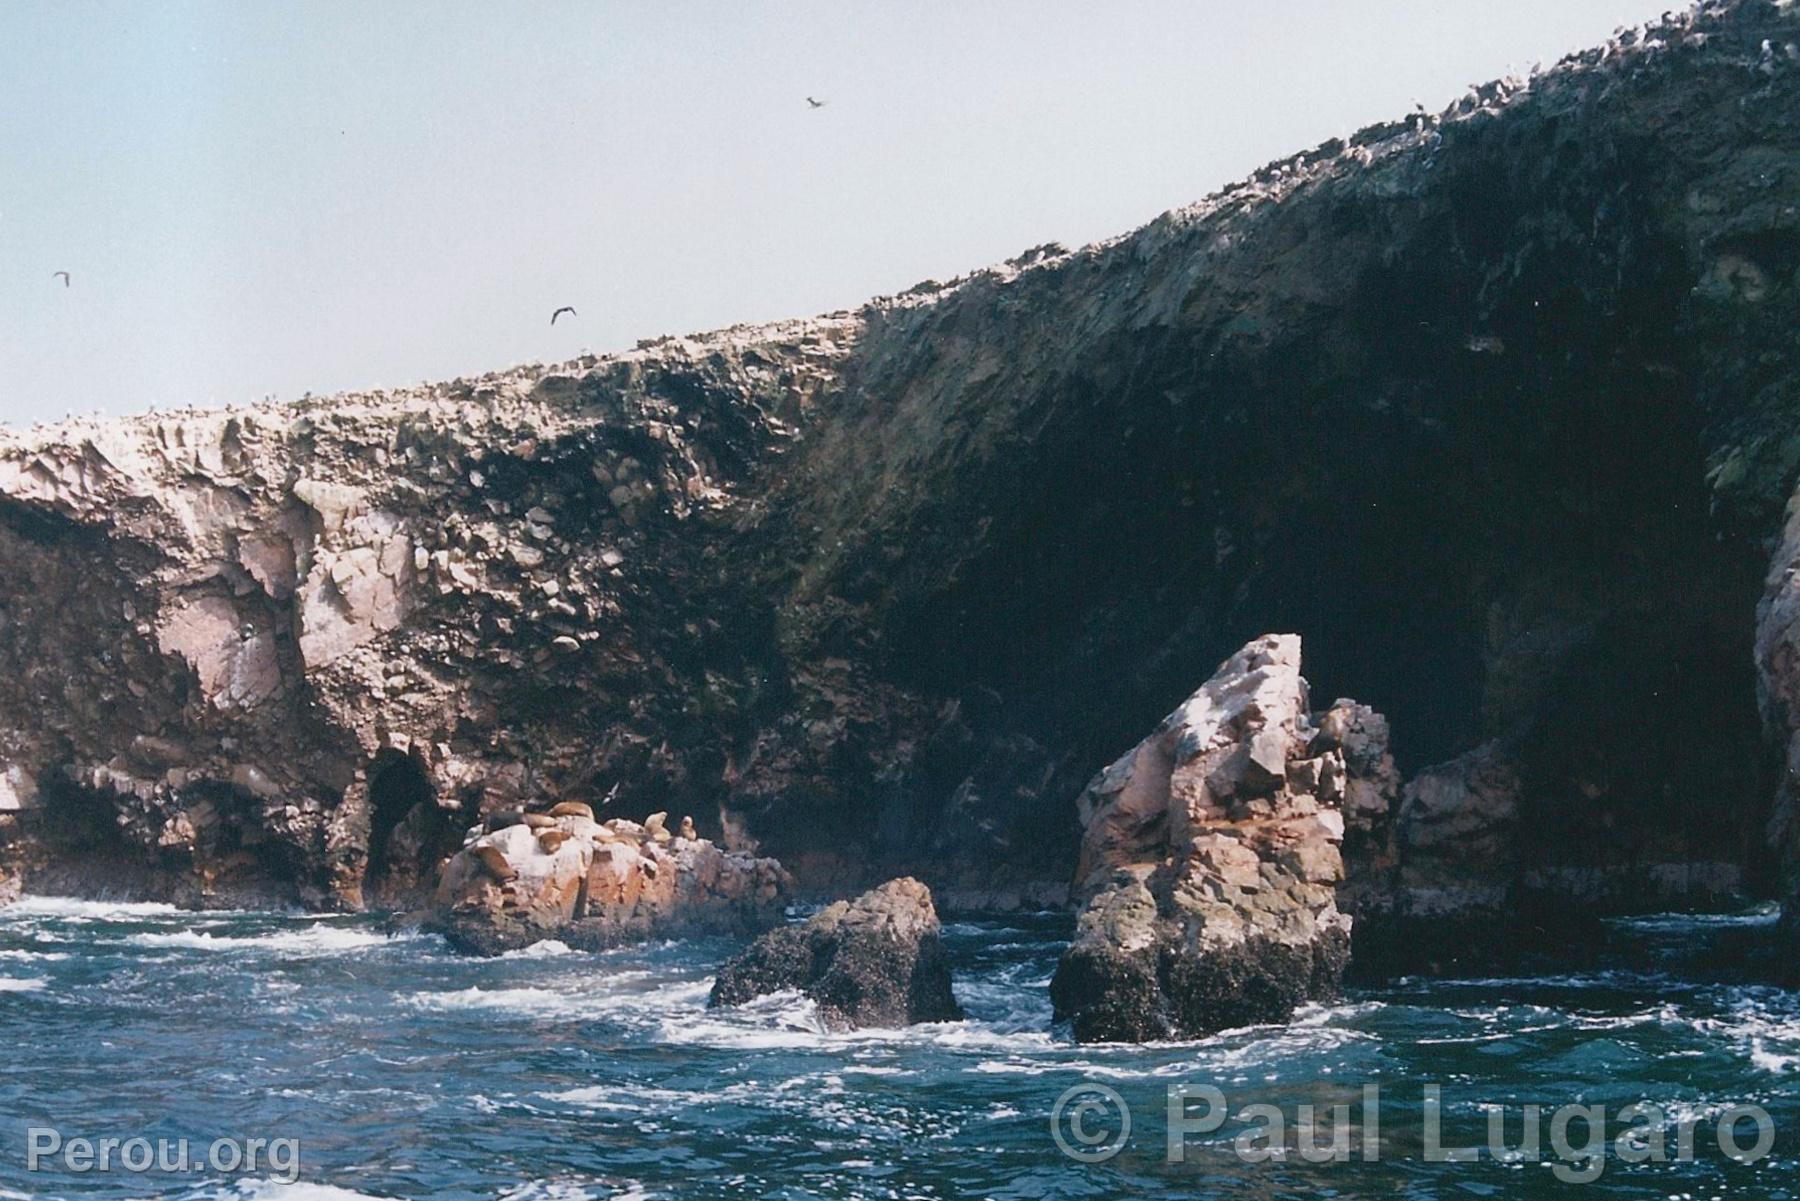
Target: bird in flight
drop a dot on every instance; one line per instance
(62, 275)
(811, 103)
(559, 312)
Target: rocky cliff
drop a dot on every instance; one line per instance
(1497, 408)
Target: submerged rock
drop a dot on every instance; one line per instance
(594, 885)
(873, 961)
(1210, 862)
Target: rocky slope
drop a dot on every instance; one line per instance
(1496, 408)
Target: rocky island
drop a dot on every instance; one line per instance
(1498, 410)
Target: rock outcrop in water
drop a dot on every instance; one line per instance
(1497, 408)
(877, 960)
(1210, 861)
(592, 885)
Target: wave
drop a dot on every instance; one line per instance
(1761, 1023)
(982, 930)
(789, 1020)
(74, 909)
(1684, 923)
(626, 1098)
(517, 1000)
(1617, 980)
(781, 1019)
(802, 1092)
(277, 1190)
(617, 995)
(569, 1190)
(22, 983)
(548, 948)
(313, 940)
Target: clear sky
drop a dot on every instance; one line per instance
(261, 199)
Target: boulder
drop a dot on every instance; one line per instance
(873, 961)
(1433, 874)
(1210, 859)
(595, 885)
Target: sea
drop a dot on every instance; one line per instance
(153, 1052)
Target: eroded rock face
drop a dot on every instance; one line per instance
(1211, 858)
(594, 885)
(221, 627)
(877, 960)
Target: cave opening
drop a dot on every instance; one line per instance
(408, 830)
(1513, 545)
(80, 824)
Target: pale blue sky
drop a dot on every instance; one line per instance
(269, 198)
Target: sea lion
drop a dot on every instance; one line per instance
(572, 809)
(551, 839)
(653, 826)
(495, 863)
(505, 818)
(687, 828)
(539, 821)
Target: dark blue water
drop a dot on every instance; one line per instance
(403, 1071)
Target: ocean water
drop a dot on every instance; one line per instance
(400, 1070)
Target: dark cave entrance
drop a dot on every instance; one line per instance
(1520, 548)
(408, 830)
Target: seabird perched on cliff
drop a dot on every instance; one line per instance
(62, 275)
(559, 312)
(811, 103)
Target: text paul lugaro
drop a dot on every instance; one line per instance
(1580, 1138)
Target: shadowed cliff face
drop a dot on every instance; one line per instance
(1496, 410)
(1491, 411)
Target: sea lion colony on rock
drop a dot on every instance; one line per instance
(594, 884)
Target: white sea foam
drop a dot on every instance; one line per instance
(789, 1020)
(1317, 1014)
(548, 948)
(1619, 981)
(33, 956)
(312, 940)
(22, 984)
(516, 1000)
(79, 910)
(276, 1190)
(1763, 1023)
(798, 1092)
(782, 1019)
(627, 1098)
(569, 1190)
(1683, 923)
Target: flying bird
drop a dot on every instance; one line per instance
(811, 103)
(62, 275)
(559, 312)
